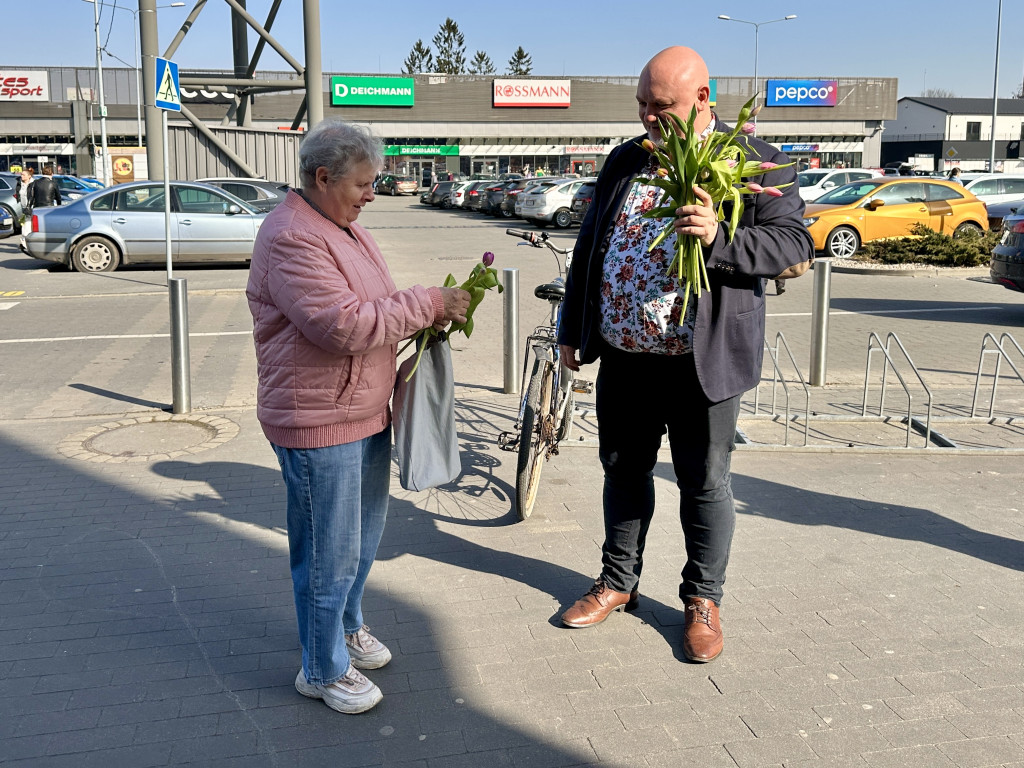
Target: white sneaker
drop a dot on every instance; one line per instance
(352, 694)
(366, 651)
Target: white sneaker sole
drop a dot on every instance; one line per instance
(369, 662)
(365, 702)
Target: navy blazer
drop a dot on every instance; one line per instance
(729, 330)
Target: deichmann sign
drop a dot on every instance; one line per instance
(372, 91)
(802, 93)
(532, 93)
(30, 85)
(421, 149)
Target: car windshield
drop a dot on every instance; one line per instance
(848, 194)
(810, 178)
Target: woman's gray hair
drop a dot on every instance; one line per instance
(338, 147)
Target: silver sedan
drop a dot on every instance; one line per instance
(125, 225)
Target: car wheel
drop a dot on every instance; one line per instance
(562, 218)
(507, 213)
(17, 224)
(446, 204)
(842, 242)
(965, 228)
(95, 254)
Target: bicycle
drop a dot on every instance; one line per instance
(546, 409)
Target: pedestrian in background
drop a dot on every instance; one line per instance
(664, 372)
(954, 176)
(45, 191)
(327, 322)
(24, 191)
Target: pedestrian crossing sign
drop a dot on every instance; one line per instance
(168, 93)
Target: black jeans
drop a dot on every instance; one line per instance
(639, 398)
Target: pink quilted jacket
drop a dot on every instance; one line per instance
(327, 321)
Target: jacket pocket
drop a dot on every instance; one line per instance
(348, 379)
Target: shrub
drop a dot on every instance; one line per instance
(926, 246)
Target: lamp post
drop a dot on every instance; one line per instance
(757, 27)
(138, 61)
(995, 93)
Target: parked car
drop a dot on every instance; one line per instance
(125, 225)
(1007, 264)
(10, 205)
(440, 194)
(73, 187)
(260, 194)
(471, 197)
(6, 223)
(457, 197)
(390, 184)
(531, 184)
(861, 211)
(549, 203)
(995, 187)
(998, 212)
(581, 200)
(815, 182)
(507, 208)
(493, 195)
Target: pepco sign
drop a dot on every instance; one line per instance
(802, 93)
(29, 85)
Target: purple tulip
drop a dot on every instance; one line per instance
(748, 128)
(755, 188)
(488, 258)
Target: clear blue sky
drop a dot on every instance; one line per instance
(939, 44)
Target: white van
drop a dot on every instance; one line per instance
(815, 182)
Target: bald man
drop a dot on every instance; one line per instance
(661, 371)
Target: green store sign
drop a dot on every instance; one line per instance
(421, 149)
(372, 91)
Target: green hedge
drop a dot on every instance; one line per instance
(927, 246)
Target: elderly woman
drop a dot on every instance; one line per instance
(328, 319)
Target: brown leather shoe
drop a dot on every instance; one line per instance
(594, 607)
(702, 636)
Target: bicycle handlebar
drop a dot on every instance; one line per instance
(532, 238)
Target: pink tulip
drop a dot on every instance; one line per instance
(773, 191)
(755, 188)
(748, 128)
(766, 166)
(488, 258)
(730, 162)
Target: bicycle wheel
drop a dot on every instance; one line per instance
(532, 445)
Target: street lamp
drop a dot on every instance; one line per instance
(757, 26)
(138, 62)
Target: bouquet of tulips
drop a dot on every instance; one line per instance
(482, 278)
(718, 165)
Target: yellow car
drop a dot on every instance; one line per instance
(873, 209)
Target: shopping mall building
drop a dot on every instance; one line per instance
(463, 124)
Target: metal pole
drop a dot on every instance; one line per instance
(995, 92)
(149, 42)
(181, 377)
(314, 73)
(757, 28)
(138, 76)
(103, 104)
(510, 281)
(167, 196)
(240, 52)
(819, 320)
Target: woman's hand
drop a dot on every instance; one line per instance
(700, 219)
(456, 302)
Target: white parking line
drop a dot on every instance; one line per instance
(126, 336)
(8, 304)
(883, 311)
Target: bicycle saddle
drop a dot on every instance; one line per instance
(550, 291)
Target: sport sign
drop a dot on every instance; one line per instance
(28, 85)
(532, 93)
(372, 91)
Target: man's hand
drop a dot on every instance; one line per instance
(456, 302)
(700, 219)
(568, 355)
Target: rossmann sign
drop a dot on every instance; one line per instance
(30, 85)
(532, 93)
(802, 93)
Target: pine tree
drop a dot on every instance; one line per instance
(420, 60)
(481, 64)
(521, 63)
(451, 49)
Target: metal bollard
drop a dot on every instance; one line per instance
(819, 320)
(510, 282)
(181, 377)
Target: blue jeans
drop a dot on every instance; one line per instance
(337, 505)
(639, 397)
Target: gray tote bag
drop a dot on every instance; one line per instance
(424, 417)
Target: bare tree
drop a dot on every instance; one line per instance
(420, 60)
(938, 93)
(450, 44)
(521, 63)
(481, 64)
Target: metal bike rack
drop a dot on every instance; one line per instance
(875, 345)
(1000, 352)
(777, 378)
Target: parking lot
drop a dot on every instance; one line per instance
(872, 615)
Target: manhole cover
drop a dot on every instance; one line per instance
(148, 438)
